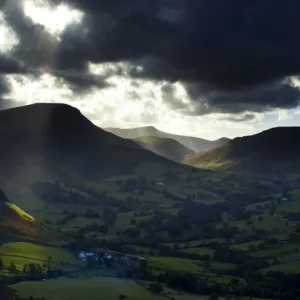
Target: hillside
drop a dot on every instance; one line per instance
(275, 150)
(42, 140)
(193, 143)
(166, 147)
(17, 224)
(45, 143)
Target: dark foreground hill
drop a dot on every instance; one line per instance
(58, 136)
(166, 147)
(275, 150)
(17, 224)
(193, 143)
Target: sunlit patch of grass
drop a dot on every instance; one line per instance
(218, 163)
(24, 253)
(20, 212)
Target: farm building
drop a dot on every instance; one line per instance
(84, 255)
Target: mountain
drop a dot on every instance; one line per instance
(272, 151)
(166, 147)
(57, 136)
(55, 142)
(193, 143)
(17, 224)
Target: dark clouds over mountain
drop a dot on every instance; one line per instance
(228, 54)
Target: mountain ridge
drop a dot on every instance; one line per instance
(194, 143)
(271, 150)
(165, 147)
(47, 141)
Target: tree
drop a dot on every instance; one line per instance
(235, 282)
(12, 268)
(294, 237)
(110, 220)
(103, 229)
(122, 297)
(176, 246)
(260, 219)
(1, 264)
(156, 288)
(276, 261)
(273, 241)
(250, 223)
(7, 293)
(132, 221)
(214, 297)
(49, 262)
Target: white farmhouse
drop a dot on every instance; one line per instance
(160, 183)
(84, 255)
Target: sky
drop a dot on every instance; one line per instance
(207, 68)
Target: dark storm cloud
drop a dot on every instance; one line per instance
(220, 50)
(81, 82)
(10, 66)
(202, 100)
(3, 86)
(36, 46)
(227, 43)
(4, 89)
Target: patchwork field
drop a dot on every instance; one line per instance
(21, 253)
(78, 289)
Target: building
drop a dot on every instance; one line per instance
(84, 255)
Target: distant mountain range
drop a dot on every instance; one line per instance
(166, 147)
(174, 147)
(272, 151)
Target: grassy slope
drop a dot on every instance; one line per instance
(102, 288)
(166, 147)
(99, 288)
(16, 223)
(270, 151)
(22, 253)
(193, 143)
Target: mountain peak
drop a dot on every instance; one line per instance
(42, 116)
(44, 106)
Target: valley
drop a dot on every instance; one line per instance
(205, 234)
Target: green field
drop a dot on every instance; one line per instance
(276, 250)
(22, 253)
(199, 250)
(289, 267)
(79, 289)
(175, 264)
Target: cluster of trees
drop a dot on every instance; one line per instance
(53, 192)
(272, 285)
(7, 293)
(92, 228)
